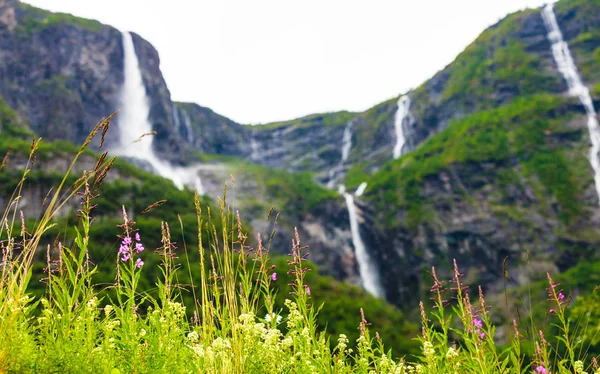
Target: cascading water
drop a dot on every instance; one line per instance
(188, 127)
(568, 69)
(402, 114)
(361, 189)
(347, 141)
(369, 273)
(189, 135)
(133, 123)
(346, 146)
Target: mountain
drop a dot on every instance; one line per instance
(486, 162)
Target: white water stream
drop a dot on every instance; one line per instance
(369, 273)
(568, 69)
(402, 114)
(347, 142)
(133, 123)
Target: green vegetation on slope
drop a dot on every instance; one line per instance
(296, 192)
(525, 132)
(497, 62)
(326, 119)
(35, 20)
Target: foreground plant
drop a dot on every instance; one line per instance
(233, 325)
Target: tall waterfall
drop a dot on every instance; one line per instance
(369, 273)
(566, 66)
(188, 127)
(189, 135)
(347, 142)
(402, 114)
(361, 189)
(133, 123)
(335, 172)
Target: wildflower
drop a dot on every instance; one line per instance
(482, 335)
(123, 249)
(139, 263)
(561, 296)
(274, 276)
(126, 257)
(451, 354)
(127, 240)
(428, 350)
(542, 370)
(307, 289)
(193, 336)
(551, 311)
(477, 322)
(278, 318)
(137, 237)
(139, 247)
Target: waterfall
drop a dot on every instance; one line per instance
(361, 189)
(133, 123)
(188, 127)
(335, 172)
(189, 135)
(346, 142)
(566, 66)
(402, 113)
(369, 273)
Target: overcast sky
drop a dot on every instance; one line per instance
(258, 61)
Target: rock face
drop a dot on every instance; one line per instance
(210, 132)
(60, 75)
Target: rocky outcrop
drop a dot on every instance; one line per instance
(59, 75)
(211, 133)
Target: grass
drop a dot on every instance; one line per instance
(236, 322)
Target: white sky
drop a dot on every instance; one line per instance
(258, 61)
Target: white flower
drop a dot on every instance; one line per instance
(277, 319)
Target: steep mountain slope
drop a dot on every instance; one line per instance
(511, 180)
(61, 74)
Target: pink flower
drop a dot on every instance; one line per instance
(477, 322)
(551, 311)
(137, 237)
(307, 289)
(482, 335)
(560, 295)
(123, 249)
(139, 247)
(127, 240)
(126, 257)
(541, 370)
(139, 263)
(274, 276)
